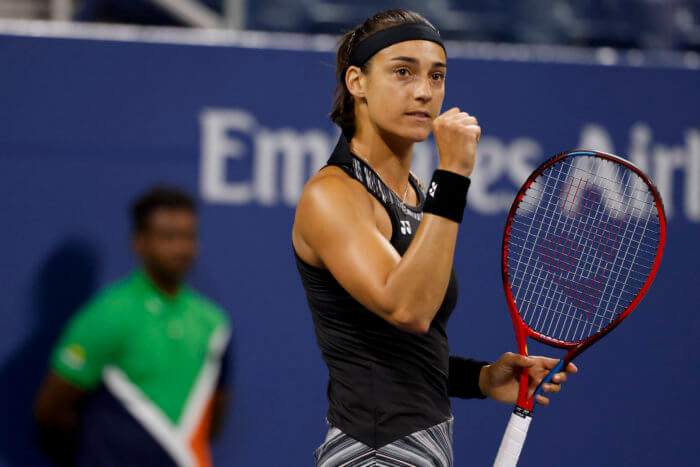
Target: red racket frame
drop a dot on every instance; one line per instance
(522, 330)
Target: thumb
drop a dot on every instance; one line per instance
(521, 360)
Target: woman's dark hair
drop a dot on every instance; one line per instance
(343, 111)
(161, 196)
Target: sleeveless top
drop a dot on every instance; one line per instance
(385, 383)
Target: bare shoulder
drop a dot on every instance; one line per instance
(331, 175)
(330, 204)
(331, 190)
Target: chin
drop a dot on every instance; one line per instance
(416, 134)
(178, 269)
(412, 133)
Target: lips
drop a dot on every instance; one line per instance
(419, 114)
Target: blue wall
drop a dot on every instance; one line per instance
(85, 125)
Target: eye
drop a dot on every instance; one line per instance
(438, 76)
(403, 71)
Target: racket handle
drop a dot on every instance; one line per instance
(513, 438)
(550, 375)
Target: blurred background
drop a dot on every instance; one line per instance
(100, 99)
(658, 24)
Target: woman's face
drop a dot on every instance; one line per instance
(404, 88)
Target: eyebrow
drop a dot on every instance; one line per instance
(415, 61)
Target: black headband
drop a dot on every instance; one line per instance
(382, 39)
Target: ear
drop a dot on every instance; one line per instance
(356, 82)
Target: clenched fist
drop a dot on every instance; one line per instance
(456, 134)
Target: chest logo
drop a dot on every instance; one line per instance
(405, 228)
(153, 305)
(431, 190)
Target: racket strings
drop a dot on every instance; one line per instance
(578, 236)
(520, 241)
(551, 204)
(581, 245)
(572, 316)
(517, 242)
(585, 291)
(640, 282)
(579, 294)
(525, 201)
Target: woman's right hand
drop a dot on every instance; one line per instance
(456, 134)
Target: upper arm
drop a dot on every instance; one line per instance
(337, 221)
(57, 401)
(90, 341)
(57, 413)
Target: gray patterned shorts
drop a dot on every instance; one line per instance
(431, 447)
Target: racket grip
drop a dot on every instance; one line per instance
(550, 375)
(513, 438)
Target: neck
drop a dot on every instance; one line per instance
(166, 283)
(387, 154)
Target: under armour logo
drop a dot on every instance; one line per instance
(405, 227)
(433, 187)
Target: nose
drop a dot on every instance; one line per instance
(423, 91)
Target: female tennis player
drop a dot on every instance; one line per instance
(375, 255)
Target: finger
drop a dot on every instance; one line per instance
(552, 386)
(452, 111)
(549, 387)
(473, 130)
(559, 377)
(571, 368)
(518, 360)
(472, 119)
(549, 363)
(463, 115)
(466, 119)
(546, 362)
(541, 400)
(534, 384)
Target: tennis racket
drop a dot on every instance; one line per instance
(581, 246)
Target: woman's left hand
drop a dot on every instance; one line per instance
(501, 380)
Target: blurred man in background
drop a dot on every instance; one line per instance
(137, 377)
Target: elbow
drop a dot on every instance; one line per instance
(410, 322)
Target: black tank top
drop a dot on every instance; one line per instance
(385, 383)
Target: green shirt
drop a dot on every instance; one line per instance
(160, 343)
